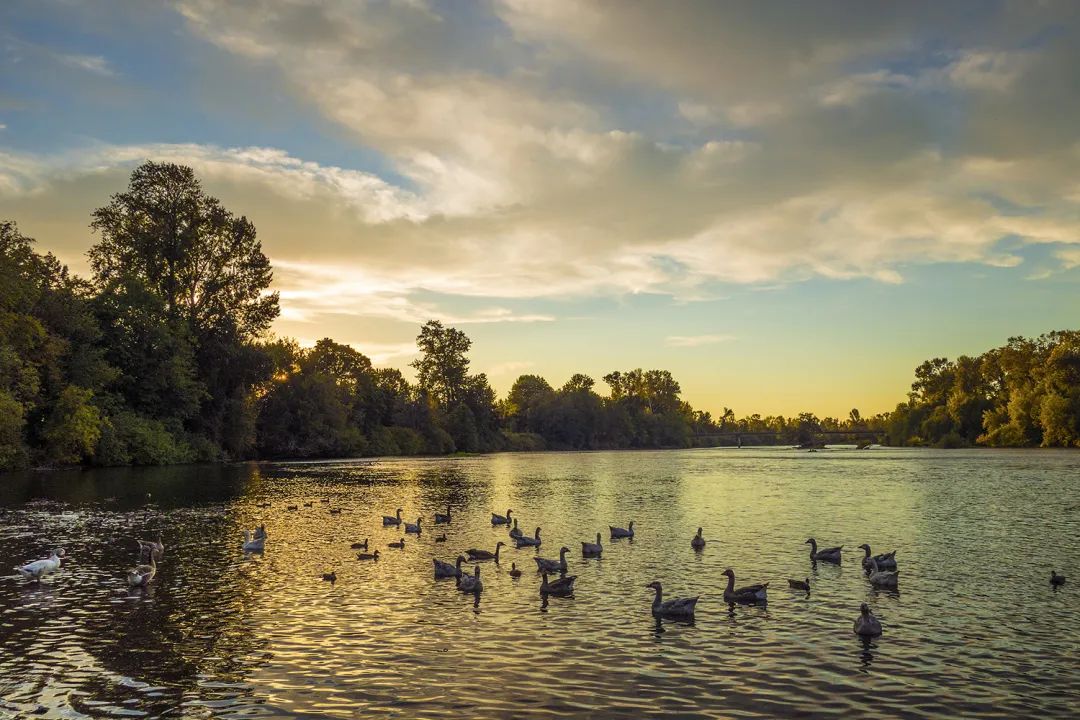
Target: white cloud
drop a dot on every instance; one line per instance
(693, 341)
(91, 63)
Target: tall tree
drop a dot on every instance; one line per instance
(442, 368)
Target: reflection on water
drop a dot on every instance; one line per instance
(975, 629)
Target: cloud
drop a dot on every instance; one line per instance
(692, 341)
(91, 63)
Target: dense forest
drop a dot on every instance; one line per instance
(164, 355)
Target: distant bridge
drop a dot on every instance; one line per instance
(740, 438)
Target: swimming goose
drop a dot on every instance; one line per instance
(475, 554)
(441, 519)
(675, 609)
(152, 547)
(501, 519)
(335, 511)
(698, 542)
(748, 594)
(545, 565)
(440, 538)
(263, 505)
(324, 500)
(1056, 579)
(388, 521)
(514, 572)
(829, 555)
(446, 570)
(309, 503)
(359, 545)
(592, 550)
(40, 568)
(526, 541)
(330, 577)
(803, 585)
(515, 532)
(618, 532)
(882, 578)
(368, 556)
(470, 583)
(413, 528)
(866, 624)
(398, 545)
(291, 507)
(141, 575)
(253, 545)
(562, 587)
(885, 561)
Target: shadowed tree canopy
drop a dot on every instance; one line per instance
(204, 263)
(442, 368)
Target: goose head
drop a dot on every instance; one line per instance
(500, 544)
(630, 526)
(375, 555)
(865, 547)
(460, 559)
(563, 550)
(811, 542)
(864, 609)
(653, 585)
(730, 573)
(508, 514)
(398, 513)
(537, 533)
(597, 538)
(699, 531)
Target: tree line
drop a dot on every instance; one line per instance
(163, 355)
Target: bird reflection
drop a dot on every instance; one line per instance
(866, 657)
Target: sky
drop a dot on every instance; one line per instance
(788, 205)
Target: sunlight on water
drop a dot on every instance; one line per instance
(975, 629)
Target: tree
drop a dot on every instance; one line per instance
(442, 368)
(73, 427)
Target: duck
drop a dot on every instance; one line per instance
(330, 577)
(866, 624)
(40, 568)
(413, 528)
(803, 585)
(674, 609)
(141, 575)
(515, 532)
(440, 538)
(475, 554)
(359, 545)
(698, 542)
(885, 561)
(829, 555)
(882, 578)
(514, 572)
(368, 556)
(441, 519)
(387, 520)
(400, 545)
(470, 583)
(618, 532)
(593, 550)
(501, 519)
(748, 594)
(446, 570)
(546, 565)
(562, 587)
(526, 541)
(1056, 579)
(152, 547)
(253, 545)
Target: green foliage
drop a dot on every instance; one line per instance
(73, 427)
(13, 452)
(131, 439)
(442, 368)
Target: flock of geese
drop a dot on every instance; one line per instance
(881, 570)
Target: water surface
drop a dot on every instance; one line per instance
(974, 630)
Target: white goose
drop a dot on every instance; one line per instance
(593, 550)
(253, 544)
(155, 547)
(40, 568)
(141, 575)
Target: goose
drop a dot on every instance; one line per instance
(514, 572)
(698, 542)
(388, 521)
(866, 624)
(829, 555)
(618, 532)
(253, 545)
(470, 583)
(335, 511)
(330, 577)
(675, 609)
(291, 507)
(545, 565)
(368, 556)
(501, 519)
(475, 554)
(260, 533)
(263, 506)
(40, 568)
(441, 519)
(562, 587)
(309, 503)
(441, 538)
(324, 500)
(398, 545)
(359, 545)
(748, 594)
(152, 547)
(1056, 579)
(882, 578)
(526, 541)
(592, 550)
(141, 575)
(413, 528)
(803, 585)
(515, 532)
(885, 561)
(446, 570)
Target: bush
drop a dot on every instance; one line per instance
(73, 428)
(522, 442)
(130, 439)
(13, 455)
